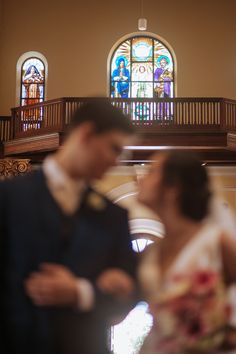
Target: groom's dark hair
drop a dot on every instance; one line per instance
(104, 116)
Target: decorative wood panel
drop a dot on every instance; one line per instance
(14, 167)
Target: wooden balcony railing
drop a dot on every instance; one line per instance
(228, 114)
(6, 128)
(169, 113)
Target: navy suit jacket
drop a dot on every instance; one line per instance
(35, 230)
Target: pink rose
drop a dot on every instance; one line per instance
(204, 282)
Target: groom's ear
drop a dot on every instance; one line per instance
(86, 131)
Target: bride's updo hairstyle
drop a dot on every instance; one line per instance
(185, 171)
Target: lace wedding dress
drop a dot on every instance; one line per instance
(188, 301)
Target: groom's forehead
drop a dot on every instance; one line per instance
(115, 137)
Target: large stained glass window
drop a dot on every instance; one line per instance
(32, 81)
(142, 67)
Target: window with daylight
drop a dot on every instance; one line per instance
(32, 81)
(128, 336)
(142, 66)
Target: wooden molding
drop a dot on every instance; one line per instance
(231, 141)
(208, 154)
(35, 144)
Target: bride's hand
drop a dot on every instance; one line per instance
(116, 282)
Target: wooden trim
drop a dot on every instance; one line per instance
(208, 154)
(36, 144)
(231, 141)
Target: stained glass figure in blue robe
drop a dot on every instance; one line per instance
(120, 79)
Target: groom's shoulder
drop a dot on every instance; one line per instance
(21, 183)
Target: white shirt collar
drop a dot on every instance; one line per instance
(66, 190)
(53, 171)
(59, 178)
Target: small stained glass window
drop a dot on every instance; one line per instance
(32, 82)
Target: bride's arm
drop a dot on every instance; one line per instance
(228, 246)
(148, 272)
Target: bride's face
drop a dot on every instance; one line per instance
(150, 189)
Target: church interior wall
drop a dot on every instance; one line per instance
(222, 179)
(76, 38)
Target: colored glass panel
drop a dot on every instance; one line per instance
(120, 71)
(32, 81)
(142, 67)
(142, 72)
(142, 89)
(142, 49)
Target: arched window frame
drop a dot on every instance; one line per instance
(23, 58)
(130, 37)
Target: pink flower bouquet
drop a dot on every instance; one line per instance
(191, 314)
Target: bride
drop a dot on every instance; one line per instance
(184, 277)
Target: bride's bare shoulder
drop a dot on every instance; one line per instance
(228, 249)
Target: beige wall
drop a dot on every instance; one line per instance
(76, 37)
(1, 25)
(223, 179)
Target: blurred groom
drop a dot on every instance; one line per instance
(67, 266)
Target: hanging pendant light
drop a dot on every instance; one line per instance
(142, 21)
(142, 24)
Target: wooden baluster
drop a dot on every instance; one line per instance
(223, 115)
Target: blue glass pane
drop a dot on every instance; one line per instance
(142, 49)
(142, 111)
(120, 71)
